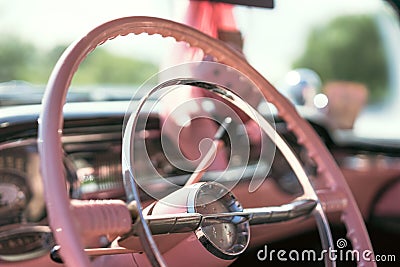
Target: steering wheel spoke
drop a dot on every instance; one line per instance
(189, 222)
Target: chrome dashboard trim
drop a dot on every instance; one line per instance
(18, 143)
(45, 245)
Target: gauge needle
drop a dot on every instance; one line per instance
(209, 157)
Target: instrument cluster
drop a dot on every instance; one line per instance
(92, 164)
(89, 173)
(23, 227)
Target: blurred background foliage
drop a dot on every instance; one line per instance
(20, 60)
(349, 48)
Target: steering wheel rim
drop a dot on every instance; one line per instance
(51, 124)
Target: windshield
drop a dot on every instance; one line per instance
(340, 58)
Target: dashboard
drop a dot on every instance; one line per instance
(92, 144)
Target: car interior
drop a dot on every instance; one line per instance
(200, 132)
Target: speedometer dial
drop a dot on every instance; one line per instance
(14, 196)
(11, 195)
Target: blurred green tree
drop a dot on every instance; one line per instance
(104, 67)
(348, 48)
(15, 57)
(20, 60)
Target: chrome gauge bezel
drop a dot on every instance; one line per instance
(15, 235)
(225, 198)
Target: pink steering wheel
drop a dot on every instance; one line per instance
(63, 212)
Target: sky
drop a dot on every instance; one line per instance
(47, 23)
